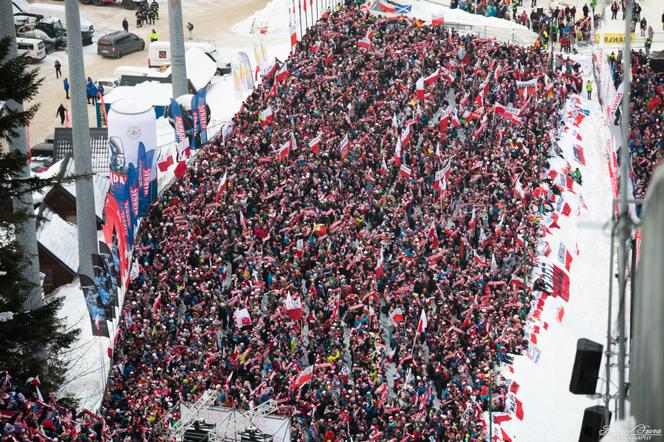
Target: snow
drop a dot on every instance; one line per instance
(550, 410)
(59, 237)
(155, 93)
(200, 68)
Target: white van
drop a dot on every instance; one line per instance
(33, 48)
(159, 54)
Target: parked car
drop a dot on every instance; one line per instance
(117, 44)
(32, 48)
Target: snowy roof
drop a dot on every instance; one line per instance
(59, 238)
(200, 67)
(155, 93)
(101, 185)
(50, 172)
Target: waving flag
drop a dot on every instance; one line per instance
(455, 120)
(387, 7)
(419, 86)
(510, 113)
(405, 171)
(383, 166)
(403, 9)
(299, 248)
(343, 147)
(266, 116)
(282, 73)
(497, 72)
(437, 20)
(284, 150)
(422, 323)
(292, 30)
(313, 144)
(379, 265)
(527, 88)
(293, 308)
(444, 122)
(396, 315)
(397, 153)
(405, 136)
(479, 259)
(447, 75)
(432, 78)
(365, 43)
(315, 47)
(221, 188)
(433, 235)
(305, 375)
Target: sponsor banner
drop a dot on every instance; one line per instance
(613, 38)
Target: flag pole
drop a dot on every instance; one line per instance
(299, 7)
(306, 20)
(311, 9)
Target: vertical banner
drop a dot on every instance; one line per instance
(180, 135)
(95, 309)
(146, 183)
(104, 285)
(115, 234)
(199, 115)
(248, 79)
(113, 265)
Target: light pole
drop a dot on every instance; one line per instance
(86, 219)
(178, 66)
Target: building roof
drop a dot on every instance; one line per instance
(100, 183)
(58, 237)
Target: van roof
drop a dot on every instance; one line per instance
(115, 35)
(27, 40)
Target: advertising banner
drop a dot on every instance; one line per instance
(96, 309)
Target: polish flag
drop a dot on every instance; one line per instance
(343, 147)
(315, 47)
(447, 75)
(383, 167)
(519, 409)
(437, 20)
(284, 150)
(433, 235)
(221, 188)
(499, 227)
(313, 144)
(267, 116)
(164, 165)
(444, 121)
(438, 153)
(379, 265)
(397, 153)
(272, 68)
(386, 7)
(419, 86)
(293, 31)
(396, 315)
(527, 88)
(511, 113)
(405, 171)
(155, 307)
(519, 240)
(365, 43)
(405, 136)
(293, 308)
(282, 73)
(432, 78)
(422, 323)
(497, 72)
(308, 373)
(479, 259)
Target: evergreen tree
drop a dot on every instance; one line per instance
(31, 342)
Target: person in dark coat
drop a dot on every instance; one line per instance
(125, 25)
(61, 112)
(58, 66)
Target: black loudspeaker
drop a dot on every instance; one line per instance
(586, 367)
(593, 422)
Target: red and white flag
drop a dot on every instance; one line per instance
(405, 136)
(267, 116)
(396, 315)
(455, 120)
(379, 265)
(315, 47)
(221, 188)
(397, 153)
(241, 317)
(478, 259)
(432, 78)
(284, 150)
(437, 20)
(282, 73)
(433, 235)
(405, 171)
(292, 30)
(305, 375)
(299, 248)
(386, 7)
(343, 147)
(313, 144)
(497, 72)
(444, 122)
(365, 43)
(383, 167)
(527, 88)
(422, 323)
(243, 221)
(419, 87)
(511, 113)
(293, 308)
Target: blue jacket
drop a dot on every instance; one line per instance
(65, 84)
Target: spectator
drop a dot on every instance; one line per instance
(125, 25)
(58, 66)
(61, 112)
(65, 85)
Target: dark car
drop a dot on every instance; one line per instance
(117, 44)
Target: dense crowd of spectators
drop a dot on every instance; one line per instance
(352, 236)
(27, 416)
(314, 225)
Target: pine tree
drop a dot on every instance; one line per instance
(31, 342)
